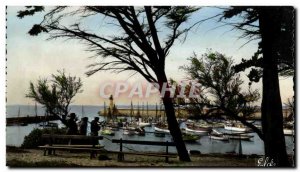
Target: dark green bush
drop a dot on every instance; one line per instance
(34, 139)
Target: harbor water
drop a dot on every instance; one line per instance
(15, 137)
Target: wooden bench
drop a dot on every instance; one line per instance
(68, 142)
(166, 154)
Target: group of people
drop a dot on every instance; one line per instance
(80, 128)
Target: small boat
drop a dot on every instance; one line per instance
(144, 124)
(159, 134)
(198, 130)
(107, 132)
(161, 130)
(288, 132)
(238, 136)
(235, 127)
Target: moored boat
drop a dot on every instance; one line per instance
(144, 124)
(164, 130)
(197, 130)
(235, 127)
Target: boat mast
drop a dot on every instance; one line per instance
(156, 112)
(82, 111)
(131, 111)
(147, 114)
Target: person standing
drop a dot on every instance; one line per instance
(83, 126)
(95, 126)
(71, 124)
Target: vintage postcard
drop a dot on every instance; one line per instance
(150, 86)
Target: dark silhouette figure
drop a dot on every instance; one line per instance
(95, 126)
(71, 124)
(83, 126)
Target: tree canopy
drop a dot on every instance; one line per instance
(219, 89)
(56, 94)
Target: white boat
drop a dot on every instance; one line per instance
(198, 131)
(288, 132)
(161, 130)
(235, 128)
(144, 124)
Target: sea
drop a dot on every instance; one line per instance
(15, 134)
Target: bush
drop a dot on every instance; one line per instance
(34, 139)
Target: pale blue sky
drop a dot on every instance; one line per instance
(29, 58)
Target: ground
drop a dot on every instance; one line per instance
(16, 157)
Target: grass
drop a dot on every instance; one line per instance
(16, 157)
(18, 163)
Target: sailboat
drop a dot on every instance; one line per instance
(21, 123)
(141, 123)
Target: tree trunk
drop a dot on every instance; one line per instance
(172, 122)
(271, 108)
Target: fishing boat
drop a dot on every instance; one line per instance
(159, 134)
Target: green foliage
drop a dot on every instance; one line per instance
(36, 29)
(30, 10)
(34, 138)
(56, 94)
(249, 25)
(220, 86)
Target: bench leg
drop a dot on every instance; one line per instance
(45, 152)
(167, 159)
(93, 154)
(120, 157)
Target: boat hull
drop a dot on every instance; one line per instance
(222, 138)
(235, 129)
(198, 132)
(161, 130)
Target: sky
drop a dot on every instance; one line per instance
(32, 57)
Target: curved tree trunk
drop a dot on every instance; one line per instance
(271, 108)
(172, 122)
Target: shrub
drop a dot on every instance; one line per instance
(34, 139)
